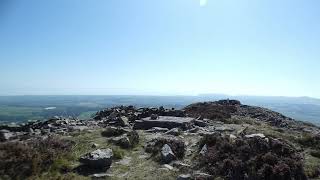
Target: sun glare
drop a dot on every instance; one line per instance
(203, 3)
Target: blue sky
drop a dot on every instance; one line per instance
(160, 47)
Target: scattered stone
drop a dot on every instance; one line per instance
(155, 145)
(101, 176)
(129, 140)
(133, 138)
(193, 130)
(124, 121)
(224, 129)
(200, 123)
(78, 128)
(181, 166)
(204, 150)
(99, 159)
(184, 177)
(37, 132)
(113, 131)
(122, 141)
(157, 130)
(6, 135)
(168, 167)
(144, 156)
(95, 145)
(202, 176)
(259, 135)
(232, 138)
(166, 154)
(154, 117)
(174, 132)
(31, 131)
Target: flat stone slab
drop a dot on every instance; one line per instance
(169, 122)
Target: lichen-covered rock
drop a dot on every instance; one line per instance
(122, 141)
(166, 154)
(174, 132)
(202, 176)
(6, 135)
(259, 135)
(113, 131)
(204, 150)
(100, 159)
(129, 140)
(157, 130)
(184, 177)
(133, 138)
(176, 144)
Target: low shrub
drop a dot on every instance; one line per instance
(19, 160)
(211, 110)
(315, 153)
(250, 158)
(308, 140)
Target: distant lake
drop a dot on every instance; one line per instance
(50, 108)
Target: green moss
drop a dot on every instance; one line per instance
(315, 153)
(308, 140)
(118, 153)
(312, 166)
(61, 164)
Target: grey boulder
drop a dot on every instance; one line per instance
(166, 154)
(100, 159)
(184, 177)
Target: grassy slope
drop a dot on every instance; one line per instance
(138, 168)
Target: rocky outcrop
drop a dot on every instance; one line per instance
(266, 115)
(133, 113)
(164, 122)
(202, 145)
(226, 109)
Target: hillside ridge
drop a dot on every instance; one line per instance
(207, 140)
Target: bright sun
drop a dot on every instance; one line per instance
(203, 3)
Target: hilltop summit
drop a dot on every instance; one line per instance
(208, 140)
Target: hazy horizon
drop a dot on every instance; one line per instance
(171, 95)
(161, 47)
